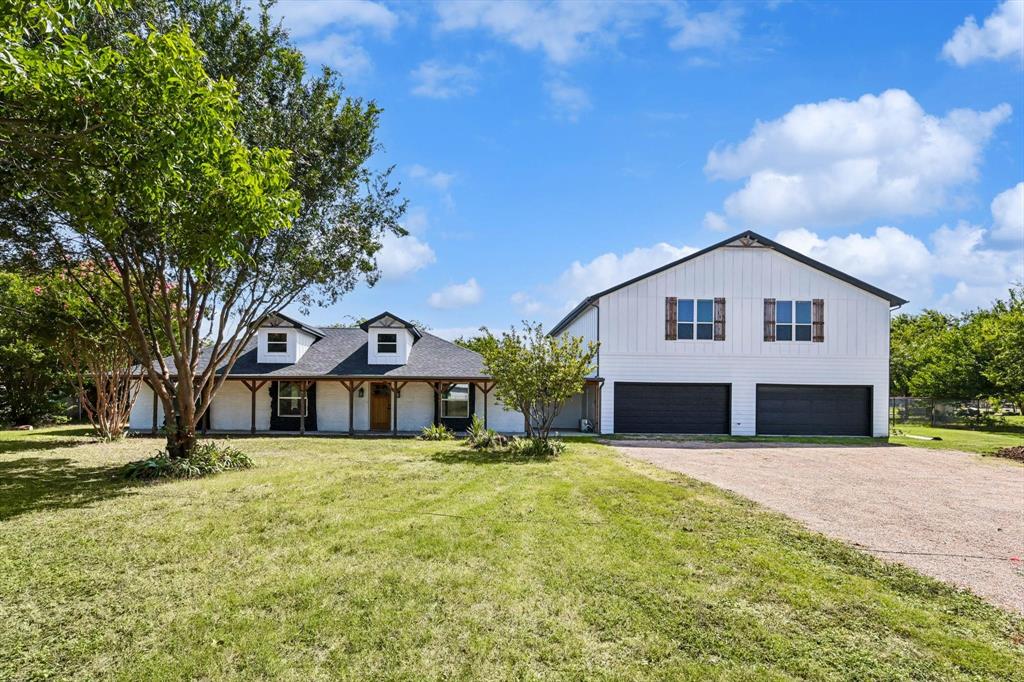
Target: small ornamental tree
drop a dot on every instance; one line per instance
(88, 327)
(536, 373)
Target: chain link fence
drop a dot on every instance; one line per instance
(940, 412)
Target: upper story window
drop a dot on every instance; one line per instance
(455, 401)
(695, 319)
(387, 343)
(792, 320)
(277, 342)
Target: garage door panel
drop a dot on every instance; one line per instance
(671, 408)
(813, 410)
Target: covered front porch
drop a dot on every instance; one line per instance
(342, 406)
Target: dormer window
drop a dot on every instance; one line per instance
(277, 342)
(387, 343)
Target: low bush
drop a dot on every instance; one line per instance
(207, 458)
(536, 447)
(436, 432)
(481, 438)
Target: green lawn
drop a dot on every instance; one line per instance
(394, 559)
(984, 441)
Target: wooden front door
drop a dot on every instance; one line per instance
(380, 407)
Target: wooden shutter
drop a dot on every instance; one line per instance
(818, 320)
(671, 317)
(719, 319)
(769, 319)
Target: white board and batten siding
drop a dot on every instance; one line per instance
(585, 326)
(633, 345)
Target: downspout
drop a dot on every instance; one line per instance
(888, 406)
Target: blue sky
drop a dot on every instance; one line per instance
(549, 150)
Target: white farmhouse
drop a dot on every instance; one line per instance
(744, 337)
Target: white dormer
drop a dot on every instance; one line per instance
(389, 339)
(282, 340)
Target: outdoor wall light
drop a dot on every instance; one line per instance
(398, 393)
(361, 393)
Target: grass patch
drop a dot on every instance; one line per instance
(984, 441)
(370, 559)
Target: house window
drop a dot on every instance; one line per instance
(289, 400)
(792, 320)
(387, 343)
(695, 319)
(277, 342)
(455, 401)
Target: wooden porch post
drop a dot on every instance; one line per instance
(597, 417)
(302, 407)
(396, 388)
(485, 388)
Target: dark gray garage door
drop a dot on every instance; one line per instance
(671, 408)
(813, 410)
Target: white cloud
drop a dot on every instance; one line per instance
(340, 52)
(307, 17)
(439, 81)
(562, 30)
(1008, 214)
(841, 162)
(402, 256)
(713, 29)
(452, 333)
(715, 221)
(1001, 36)
(904, 265)
(526, 304)
(890, 258)
(609, 269)
(457, 295)
(437, 179)
(569, 101)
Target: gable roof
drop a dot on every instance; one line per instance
(365, 326)
(342, 352)
(747, 236)
(312, 331)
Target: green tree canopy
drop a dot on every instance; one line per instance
(536, 373)
(212, 183)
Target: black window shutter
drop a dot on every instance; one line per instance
(769, 319)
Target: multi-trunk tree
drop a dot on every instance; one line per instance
(211, 186)
(536, 373)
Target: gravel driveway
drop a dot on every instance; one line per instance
(954, 516)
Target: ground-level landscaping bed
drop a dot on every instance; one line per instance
(410, 559)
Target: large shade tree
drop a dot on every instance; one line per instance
(211, 185)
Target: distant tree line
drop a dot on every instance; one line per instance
(979, 354)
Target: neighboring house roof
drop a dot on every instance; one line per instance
(342, 352)
(298, 324)
(743, 236)
(365, 326)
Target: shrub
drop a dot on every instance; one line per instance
(482, 438)
(536, 447)
(206, 459)
(436, 432)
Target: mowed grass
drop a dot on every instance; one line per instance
(400, 559)
(984, 440)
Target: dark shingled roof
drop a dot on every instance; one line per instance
(342, 352)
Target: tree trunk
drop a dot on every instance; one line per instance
(181, 440)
